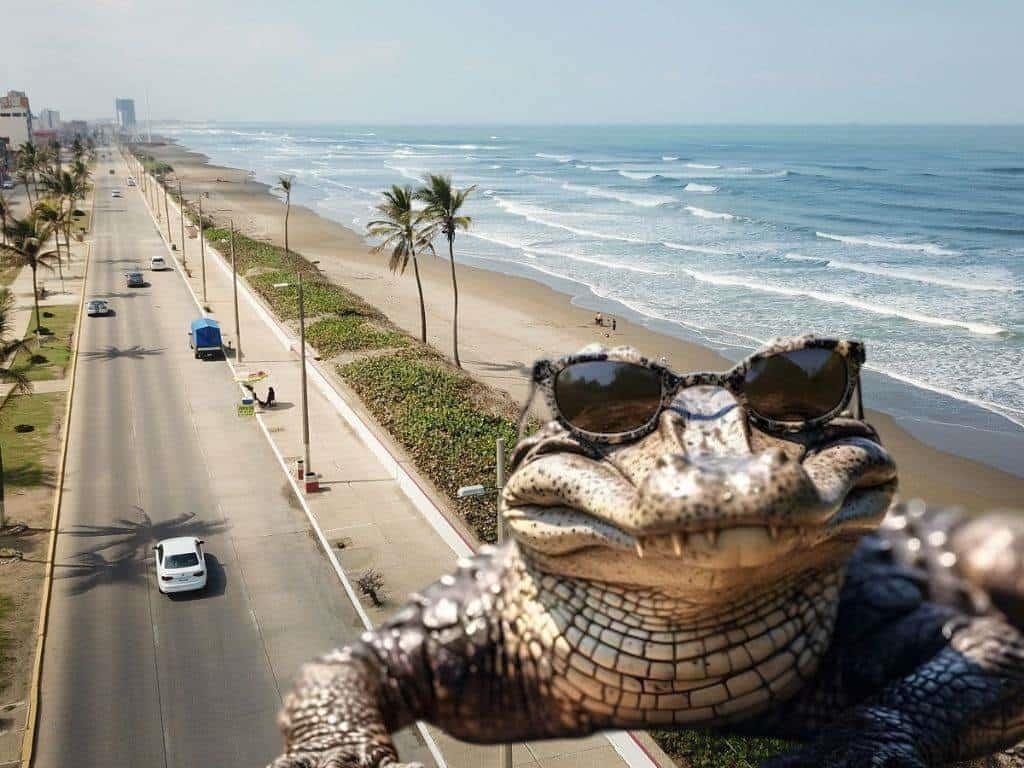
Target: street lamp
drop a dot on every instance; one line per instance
(234, 295)
(181, 210)
(475, 491)
(302, 358)
(202, 246)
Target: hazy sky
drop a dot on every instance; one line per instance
(523, 61)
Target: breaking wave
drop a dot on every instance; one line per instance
(694, 187)
(705, 214)
(878, 242)
(644, 201)
(899, 274)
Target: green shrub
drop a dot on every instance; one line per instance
(701, 749)
(332, 335)
(443, 419)
(321, 298)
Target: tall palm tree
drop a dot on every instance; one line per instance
(77, 148)
(55, 155)
(65, 186)
(5, 211)
(285, 183)
(403, 232)
(29, 160)
(52, 213)
(27, 238)
(443, 205)
(9, 346)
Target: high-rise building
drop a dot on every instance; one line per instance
(15, 118)
(125, 109)
(49, 119)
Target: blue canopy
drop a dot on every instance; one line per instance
(204, 322)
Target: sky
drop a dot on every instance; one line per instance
(491, 61)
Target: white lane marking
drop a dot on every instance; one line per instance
(435, 752)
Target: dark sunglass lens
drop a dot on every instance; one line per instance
(796, 386)
(608, 397)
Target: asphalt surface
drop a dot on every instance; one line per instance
(132, 677)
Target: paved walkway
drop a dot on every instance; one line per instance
(378, 521)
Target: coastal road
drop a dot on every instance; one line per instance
(132, 677)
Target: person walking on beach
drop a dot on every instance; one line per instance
(613, 323)
(598, 320)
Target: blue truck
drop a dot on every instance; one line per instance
(204, 338)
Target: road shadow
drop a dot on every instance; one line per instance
(135, 352)
(117, 295)
(123, 551)
(216, 583)
(514, 366)
(279, 405)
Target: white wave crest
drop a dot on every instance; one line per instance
(669, 158)
(901, 274)
(984, 329)
(541, 216)
(694, 187)
(644, 201)
(879, 242)
(558, 158)
(695, 248)
(592, 260)
(703, 166)
(638, 175)
(705, 214)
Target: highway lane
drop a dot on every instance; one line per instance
(132, 677)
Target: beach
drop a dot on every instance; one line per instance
(508, 321)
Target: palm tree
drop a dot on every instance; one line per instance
(285, 185)
(52, 213)
(25, 248)
(77, 148)
(29, 160)
(9, 346)
(443, 205)
(5, 211)
(403, 233)
(55, 155)
(65, 186)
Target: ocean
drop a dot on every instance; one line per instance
(909, 238)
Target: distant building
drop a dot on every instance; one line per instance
(43, 138)
(125, 111)
(70, 129)
(15, 118)
(49, 119)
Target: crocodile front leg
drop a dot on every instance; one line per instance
(965, 702)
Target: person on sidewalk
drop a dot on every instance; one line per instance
(270, 398)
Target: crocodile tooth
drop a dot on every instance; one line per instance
(677, 544)
(639, 549)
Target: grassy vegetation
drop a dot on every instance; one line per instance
(706, 750)
(50, 358)
(447, 422)
(24, 451)
(333, 335)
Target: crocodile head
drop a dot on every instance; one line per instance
(703, 505)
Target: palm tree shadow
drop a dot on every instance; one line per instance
(515, 365)
(135, 352)
(123, 553)
(28, 474)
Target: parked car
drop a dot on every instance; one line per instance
(7, 184)
(180, 564)
(115, 193)
(97, 308)
(131, 182)
(134, 280)
(158, 263)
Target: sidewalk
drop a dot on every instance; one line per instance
(370, 518)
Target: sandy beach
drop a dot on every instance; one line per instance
(507, 322)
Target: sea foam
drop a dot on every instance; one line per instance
(879, 242)
(694, 187)
(902, 274)
(706, 214)
(644, 201)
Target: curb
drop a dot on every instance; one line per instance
(28, 739)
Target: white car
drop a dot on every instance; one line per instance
(115, 193)
(180, 564)
(131, 182)
(97, 308)
(158, 264)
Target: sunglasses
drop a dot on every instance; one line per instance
(616, 396)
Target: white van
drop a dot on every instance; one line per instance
(158, 263)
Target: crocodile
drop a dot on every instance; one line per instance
(705, 575)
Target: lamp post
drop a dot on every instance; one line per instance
(202, 247)
(470, 491)
(234, 293)
(302, 358)
(167, 211)
(181, 210)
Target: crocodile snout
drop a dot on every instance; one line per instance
(693, 493)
